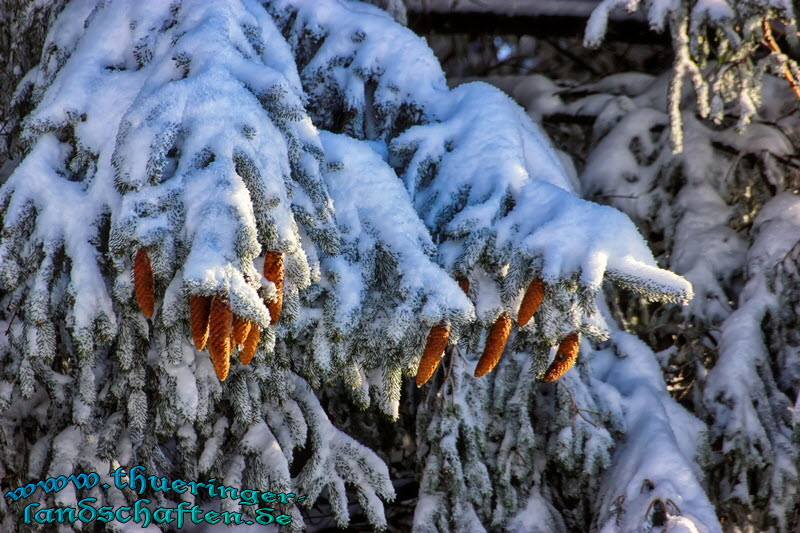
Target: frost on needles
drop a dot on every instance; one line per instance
(211, 133)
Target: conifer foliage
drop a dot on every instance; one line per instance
(291, 186)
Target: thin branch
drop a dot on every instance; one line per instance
(578, 411)
(572, 57)
(773, 45)
(625, 196)
(11, 321)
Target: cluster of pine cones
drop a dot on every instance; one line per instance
(565, 358)
(215, 326)
(213, 323)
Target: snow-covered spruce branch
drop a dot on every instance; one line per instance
(212, 133)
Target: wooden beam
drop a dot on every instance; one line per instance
(543, 24)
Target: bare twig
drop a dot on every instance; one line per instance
(578, 411)
(11, 321)
(773, 45)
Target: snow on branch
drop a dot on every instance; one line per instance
(743, 391)
(338, 459)
(513, 202)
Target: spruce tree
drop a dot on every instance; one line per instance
(292, 182)
(724, 212)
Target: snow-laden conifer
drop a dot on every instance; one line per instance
(210, 134)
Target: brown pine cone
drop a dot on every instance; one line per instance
(219, 336)
(530, 302)
(199, 310)
(434, 349)
(463, 283)
(240, 330)
(565, 358)
(495, 344)
(143, 282)
(273, 271)
(250, 345)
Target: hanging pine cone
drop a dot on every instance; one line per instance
(240, 330)
(530, 302)
(273, 271)
(434, 349)
(495, 344)
(219, 336)
(143, 282)
(463, 283)
(250, 345)
(199, 310)
(565, 358)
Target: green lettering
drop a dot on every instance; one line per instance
(163, 515)
(211, 517)
(264, 516)
(229, 517)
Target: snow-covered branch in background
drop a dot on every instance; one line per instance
(715, 44)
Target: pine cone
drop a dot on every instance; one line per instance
(219, 336)
(240, 330)
(530, 302)
(273, 271)
(250, 345)
(495, 344)
(463, 283)
(434, 349)
(143, 282)
(565, 358)
(199, 309)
